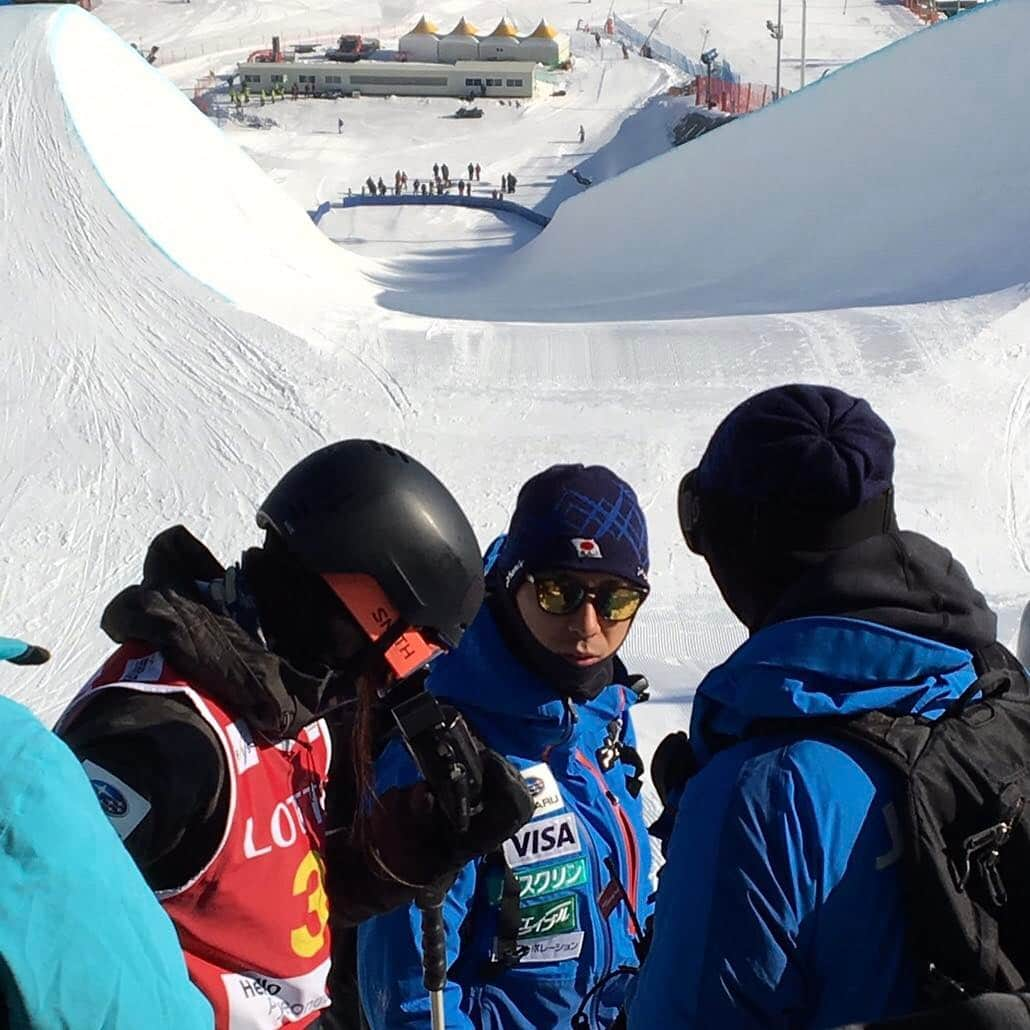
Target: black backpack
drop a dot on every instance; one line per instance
(964, 809)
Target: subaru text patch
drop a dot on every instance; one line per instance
(543, 788)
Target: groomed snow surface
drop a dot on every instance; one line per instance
(177, 332)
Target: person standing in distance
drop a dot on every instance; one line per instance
(542, 932)
(207, 720)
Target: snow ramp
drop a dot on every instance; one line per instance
(137, 390)
(900, 179)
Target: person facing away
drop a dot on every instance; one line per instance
(83, 940)
(471, 169)
(781, 902)
(541, 934)
(477, 170)
(205, 737)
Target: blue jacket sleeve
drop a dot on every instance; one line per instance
(727, 948)
(390, 946)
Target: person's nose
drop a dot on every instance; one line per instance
(585, 622)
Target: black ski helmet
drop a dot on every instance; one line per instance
(364, 508)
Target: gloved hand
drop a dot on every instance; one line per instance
(672, 765)
(415, 842)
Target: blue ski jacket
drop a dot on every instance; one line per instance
(83, 941)
(781, 901)
(586, 842)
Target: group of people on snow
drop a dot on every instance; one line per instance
(440, 184)
(266, 830)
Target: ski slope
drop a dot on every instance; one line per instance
(178, 333)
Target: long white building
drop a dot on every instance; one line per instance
(397, 78)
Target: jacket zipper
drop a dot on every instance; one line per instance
(631, 887)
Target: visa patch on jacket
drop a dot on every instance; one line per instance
(543, 840)
(543, 788)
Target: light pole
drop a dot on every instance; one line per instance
(776, 31)
(708, 58)
(804, 37)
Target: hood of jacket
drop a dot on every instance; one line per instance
(170, 610)
(512, 708)
(890, 624)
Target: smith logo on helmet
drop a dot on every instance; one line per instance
(543, 840)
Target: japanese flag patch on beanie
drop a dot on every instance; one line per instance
(575, 517)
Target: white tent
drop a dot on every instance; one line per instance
(422, 42)
(544, 44)
(460, 44)
(502, 44)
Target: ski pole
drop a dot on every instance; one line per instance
(434, 954)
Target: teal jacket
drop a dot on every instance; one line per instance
(83, 941)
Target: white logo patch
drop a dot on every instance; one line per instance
(244, 750)
(259, 1002)
(147, 669)
(121, 804)
(543, 788)
(553, 949)
(586, 548)
(542, 840)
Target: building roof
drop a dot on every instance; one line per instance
(506, 28)
(464, 28)
(424, 28)
(543, 31)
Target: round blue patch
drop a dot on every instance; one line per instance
(111, 799)
(535, 785)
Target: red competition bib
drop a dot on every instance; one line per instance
(254, 923)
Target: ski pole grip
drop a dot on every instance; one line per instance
(434, 943)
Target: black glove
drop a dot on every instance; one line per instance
(987, 1012)
(34, 655)
(673, 764)
(415, 843)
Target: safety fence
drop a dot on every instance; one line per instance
(433, 200)
(925, 9)
(734, 97)
(669, 54)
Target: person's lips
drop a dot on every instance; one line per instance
(582, 661)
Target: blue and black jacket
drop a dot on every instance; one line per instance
(781, 902)
(582, 863)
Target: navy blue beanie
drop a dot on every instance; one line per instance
(812, 448)
(579, 517)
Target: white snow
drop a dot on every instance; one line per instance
(176, 333)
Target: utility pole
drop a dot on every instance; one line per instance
(804, 38)
(776, 31)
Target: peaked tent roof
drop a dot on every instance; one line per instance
(543, 31)
(424, 28)
(506, 27)
(464, 28)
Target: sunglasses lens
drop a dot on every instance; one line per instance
(620, 603)
(559, 596)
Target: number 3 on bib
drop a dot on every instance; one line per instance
(302, 940)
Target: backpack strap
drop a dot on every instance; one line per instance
(502, 895)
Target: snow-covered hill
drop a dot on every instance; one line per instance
(177, 333)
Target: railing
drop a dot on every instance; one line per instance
(432, 200)
(734, 97)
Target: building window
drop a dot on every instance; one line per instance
(334, 79)
(277, 78)
(512, 83)
(398, 80)
(495, 82)
(251, 78)
(307, 78)
(473, 82)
